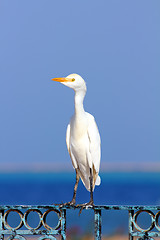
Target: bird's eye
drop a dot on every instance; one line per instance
(73, 79)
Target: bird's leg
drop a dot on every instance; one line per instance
(75, 191)
(91, 188)
(90, 203)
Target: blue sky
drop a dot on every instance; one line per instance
(113, 45)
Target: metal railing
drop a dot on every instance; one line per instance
(44, 231)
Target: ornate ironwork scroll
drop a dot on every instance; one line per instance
(149, 232)
(23, 228)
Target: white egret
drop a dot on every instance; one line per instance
(83, 139)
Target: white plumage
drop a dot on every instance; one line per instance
(82, 136)
(83, 143)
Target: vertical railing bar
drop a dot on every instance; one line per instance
(131, 213)
(97, 224)
(1, 224)
(63, 224)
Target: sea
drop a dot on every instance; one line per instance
(118, 188)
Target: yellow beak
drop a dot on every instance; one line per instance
(63, 79)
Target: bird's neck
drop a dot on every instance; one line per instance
(78, 100)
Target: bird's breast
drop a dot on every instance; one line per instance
(79, 126)
(78, 147)
(79, 139)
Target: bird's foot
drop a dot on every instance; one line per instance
(71, 203)
(58, 204)
(85, 205)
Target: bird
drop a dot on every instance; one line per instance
(82, 140)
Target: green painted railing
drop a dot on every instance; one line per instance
(44, 231)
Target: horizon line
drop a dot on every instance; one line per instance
(44, 167)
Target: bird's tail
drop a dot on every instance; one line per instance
(98, 181)
(86, 181)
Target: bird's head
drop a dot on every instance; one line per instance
(73, 81)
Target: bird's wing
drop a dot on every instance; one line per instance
(74, 163)
(68, 138)
(94, 143)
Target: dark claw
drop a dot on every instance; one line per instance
(83, 206)
(58, 204)
(72, 203)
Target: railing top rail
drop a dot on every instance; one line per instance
(100, 207)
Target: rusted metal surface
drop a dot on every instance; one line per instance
(98, 223)
(44, 231)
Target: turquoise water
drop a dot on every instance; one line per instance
(47, 188)
(116, 188)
